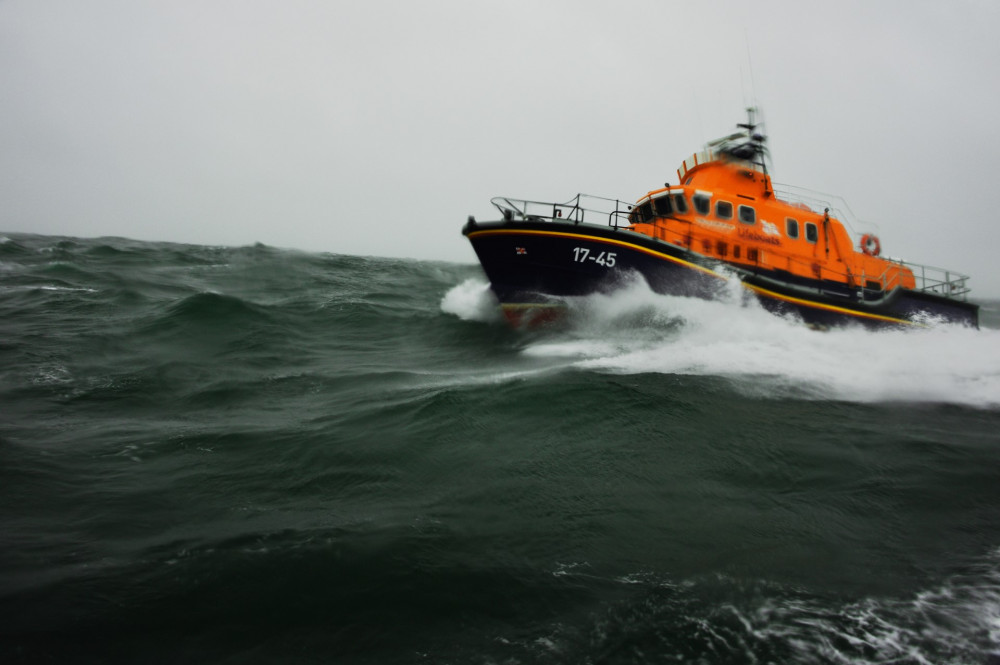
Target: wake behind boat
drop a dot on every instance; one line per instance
(724, 221)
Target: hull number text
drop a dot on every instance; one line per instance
(582, 254)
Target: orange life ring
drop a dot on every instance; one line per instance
(870, 244)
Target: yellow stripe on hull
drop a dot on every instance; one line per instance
(829, 308)
(687, 264)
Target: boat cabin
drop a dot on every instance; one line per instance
(726, 208)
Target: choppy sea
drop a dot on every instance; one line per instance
(255, 455)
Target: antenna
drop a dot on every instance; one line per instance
(743, 87)
(753, 85)
(754, 112)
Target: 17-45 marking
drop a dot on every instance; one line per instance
(606, 259)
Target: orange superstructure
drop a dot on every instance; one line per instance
(726, 208)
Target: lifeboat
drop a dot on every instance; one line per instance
(724, 220)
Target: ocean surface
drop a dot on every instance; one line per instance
(255, 455)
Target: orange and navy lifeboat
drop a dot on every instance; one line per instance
(722, 221)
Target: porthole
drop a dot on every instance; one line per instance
(812, 233)
(791, 227)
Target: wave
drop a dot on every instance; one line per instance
(578, 613)
(12, 248)
(636, 331)
(210, 306)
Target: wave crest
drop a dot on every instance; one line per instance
(636, 331)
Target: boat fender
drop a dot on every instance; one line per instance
(870, 245)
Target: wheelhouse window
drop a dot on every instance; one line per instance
(680, 204)
(791, 227)
(812, 233)
(723, 209)
(662, 206)
(641, 214)
(646, 212)
(748, 215)
(702, 203)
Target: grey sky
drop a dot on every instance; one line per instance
(376, 127)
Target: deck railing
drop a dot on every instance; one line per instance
(938, 280)
(582, 208)
(818, 201)
(929, 279)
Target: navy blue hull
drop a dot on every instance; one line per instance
(532, 264)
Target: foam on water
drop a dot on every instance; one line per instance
(637, 331)
(471, 300)
(769, 355)
(42, 287)
(956, 621)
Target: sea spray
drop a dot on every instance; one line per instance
(471, 300)
(633, 330)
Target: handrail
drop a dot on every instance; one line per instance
(816, 201)
(943, 282)
(574, 210)
(929, 279)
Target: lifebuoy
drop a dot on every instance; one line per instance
(870, 244)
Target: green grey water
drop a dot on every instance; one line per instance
(259, 455)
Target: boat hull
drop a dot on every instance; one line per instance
(533, 265)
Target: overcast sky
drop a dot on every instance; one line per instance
(375, 127)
